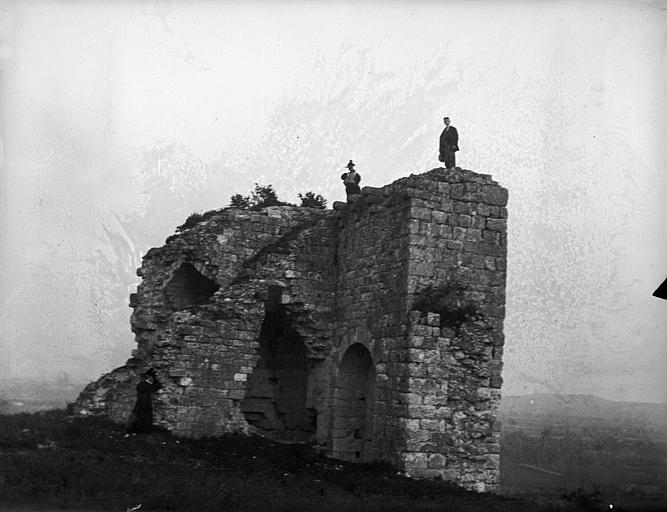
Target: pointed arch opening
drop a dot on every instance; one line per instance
(276, 398)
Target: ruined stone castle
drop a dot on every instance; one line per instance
(298, 324)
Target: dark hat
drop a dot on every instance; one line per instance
(350, 165)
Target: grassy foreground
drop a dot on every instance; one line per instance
(52, 461)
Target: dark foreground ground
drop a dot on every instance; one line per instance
(51, 461)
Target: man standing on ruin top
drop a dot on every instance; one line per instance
(449, 140)
(351, 180)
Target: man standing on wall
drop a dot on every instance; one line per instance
(351, 180)
(449, 140)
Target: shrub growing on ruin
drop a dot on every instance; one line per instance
(194, 219)
(239, 201)
(312, 200)
(265, 195)
(448, 301)
(261, 197)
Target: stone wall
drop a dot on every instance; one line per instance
(371, 306)
(296, 324)
(457, 235)
(452, 430)
(204, 351)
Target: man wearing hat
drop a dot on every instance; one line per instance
(351, 180)
(141, 419)
(449, 140)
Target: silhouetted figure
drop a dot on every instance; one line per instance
(449, 145)
(141, 421)
(351, 180)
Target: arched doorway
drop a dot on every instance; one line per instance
(276, 394)
(353, 417)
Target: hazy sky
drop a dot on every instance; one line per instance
(562, 102)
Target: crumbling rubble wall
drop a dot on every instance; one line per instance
(204, 351)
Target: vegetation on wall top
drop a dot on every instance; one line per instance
(260, 197)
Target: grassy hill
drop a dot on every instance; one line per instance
(551, 446)
(53, 461)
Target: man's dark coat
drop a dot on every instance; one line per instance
(449, 140)
(143, 410)
(449, 144)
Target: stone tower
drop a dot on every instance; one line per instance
(299, 324)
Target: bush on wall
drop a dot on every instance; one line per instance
(448, 301)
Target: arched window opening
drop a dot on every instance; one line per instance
(189, 287)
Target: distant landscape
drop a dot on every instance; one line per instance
(29, 395)
(550, 444)
(558, 443)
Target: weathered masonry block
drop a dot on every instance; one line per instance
(300, 325)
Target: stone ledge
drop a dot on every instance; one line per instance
(372, 190)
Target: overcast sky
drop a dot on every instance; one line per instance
(562, 102)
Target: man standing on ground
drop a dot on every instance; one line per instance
(449, 140)
(351, 180)
(141, 420)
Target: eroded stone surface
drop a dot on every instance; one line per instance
(297, 324)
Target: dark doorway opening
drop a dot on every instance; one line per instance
(189, 287)
(277, 391)
(354, 394)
